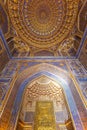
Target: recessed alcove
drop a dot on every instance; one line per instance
(44, 91)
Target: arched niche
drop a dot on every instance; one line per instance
(44, 90)
(27, 76)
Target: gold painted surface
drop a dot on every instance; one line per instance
(43, 23)
(44, 117)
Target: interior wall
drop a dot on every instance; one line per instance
(82, 27)
(3, 19)
(44, 90)
(3, 28)
(3, 55)
(20, 70)
(83, 55)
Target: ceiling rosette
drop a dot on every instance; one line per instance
(43, 23)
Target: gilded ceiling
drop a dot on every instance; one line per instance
(45, 28)
(43, 23)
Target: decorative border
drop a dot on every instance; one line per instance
(71, 103)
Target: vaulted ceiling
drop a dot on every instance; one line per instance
(44, 23)
(45, 28)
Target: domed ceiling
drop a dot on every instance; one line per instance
(44, 27)
(43, 23)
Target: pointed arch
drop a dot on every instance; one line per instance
(30, 74)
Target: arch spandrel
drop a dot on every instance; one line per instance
(26, 77)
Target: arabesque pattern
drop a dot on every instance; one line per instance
(43, 23)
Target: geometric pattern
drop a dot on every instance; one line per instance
(44, 89)
(43, 23)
